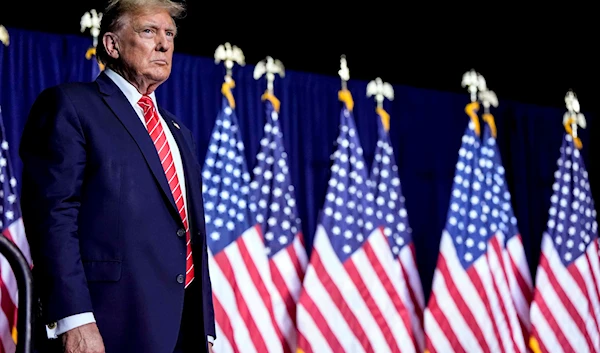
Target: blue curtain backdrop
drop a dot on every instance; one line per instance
(426, 130)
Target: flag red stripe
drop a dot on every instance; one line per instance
(445, 326)
(413, 295)
(495, 244)
(260, 286)
(291, 249)
(322, 324)
(283, 290)
(594, 280)
(566, 300)
(476, 280)
(225, 265)
(340, 301)
(363, 290)
(224, 322)
(526, 289)
(389, 288)
(462, 306)
(551, 320)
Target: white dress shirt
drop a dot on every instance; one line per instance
(133, 96)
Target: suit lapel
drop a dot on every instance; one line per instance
(121, 107)
(187, 159)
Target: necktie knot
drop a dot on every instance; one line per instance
(146, 102)
(147, 106)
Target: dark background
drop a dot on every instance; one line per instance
(526, 52)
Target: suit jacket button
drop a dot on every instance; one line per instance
(52, 325)
(181, 232)
(180, 278)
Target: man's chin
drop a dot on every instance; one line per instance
(159, 75)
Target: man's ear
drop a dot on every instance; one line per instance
(111, 44)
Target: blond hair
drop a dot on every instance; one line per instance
(116, 10)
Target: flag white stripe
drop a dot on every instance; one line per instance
(467, 290)
(440, 341)
(408, 261)
(378, 292)
(287, 269)
(282, 318)
(328, 308)
(510, 332)
(300, 252)
(5, 334)
(248, 290)
(310, 329)
(558, 311)
(222, 345)
(545, 333)
(17, 231)
(222, 290)
(352, 297)
(448, 307)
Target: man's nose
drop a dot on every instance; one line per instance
(164, 42)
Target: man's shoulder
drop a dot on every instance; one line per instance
(75, 88)
(69, 91)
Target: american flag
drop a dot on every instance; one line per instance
(239, 268)
(516, 267)
(349, 301)
(273, 202)
(470, 308)
(566, 310)
(392, 216)
(11, 224)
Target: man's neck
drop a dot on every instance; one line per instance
(139, 82)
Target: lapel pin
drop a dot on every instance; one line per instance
(176, 125)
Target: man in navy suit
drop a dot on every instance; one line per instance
(112, 201)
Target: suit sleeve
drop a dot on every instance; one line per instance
(53, 151)
(209, 321)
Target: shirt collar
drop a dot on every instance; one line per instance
(130, 92)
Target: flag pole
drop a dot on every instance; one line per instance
(344, 94)
(229, 55)
(474, 83)
(381, 90)
(269, 68)
(91, 20)
(573, 118)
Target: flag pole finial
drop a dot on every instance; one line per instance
(269, 67)
(573, 118)
(229, 55)
(91, 20)
(344, 72)
(4, 37)
(474, 83)
(380, 90)
(488, 98)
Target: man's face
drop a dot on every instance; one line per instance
(146, 46)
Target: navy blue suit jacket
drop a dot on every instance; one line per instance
(101, 221)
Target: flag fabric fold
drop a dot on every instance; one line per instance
(565, 312)
(11, 224)
(239, 268)
(273, 202)
(516, 266)
(348, 301)
(391, 215)
(470, 308)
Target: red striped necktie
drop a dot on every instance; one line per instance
(159, 138)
